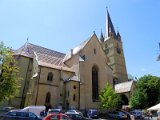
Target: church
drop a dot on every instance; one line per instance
(74, 79)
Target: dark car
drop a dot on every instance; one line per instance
(129, 115)
(17, 115)
(117, 115)
(76, 116)
(138, 114)
(92, 113)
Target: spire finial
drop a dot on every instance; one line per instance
(27, 39)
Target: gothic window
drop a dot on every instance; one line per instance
(48, 97)
(95, 84)
(68, 93)
(94, 50)
(50, 76)
(74, 97)
(106, 46)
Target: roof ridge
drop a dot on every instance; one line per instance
(45, 48)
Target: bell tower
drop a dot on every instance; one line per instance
(112, 44)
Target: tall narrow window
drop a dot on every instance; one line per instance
(95, 94)
(48, 97)
(50, 76)
(94, 50)
(74, 97)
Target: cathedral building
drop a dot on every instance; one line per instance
(74, 79)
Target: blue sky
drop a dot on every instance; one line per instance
(63, 24)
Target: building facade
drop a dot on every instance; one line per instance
(74, 79)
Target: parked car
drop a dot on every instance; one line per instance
(4, 110)
(18, 115)
(117, 115)
(92, 113)
(57, 117)
(55, 111)
(129, 115)
(35, 109)
(76, 116)
(74, 111)
(137, 114)
(7, 109)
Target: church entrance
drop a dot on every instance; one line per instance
(124, 99)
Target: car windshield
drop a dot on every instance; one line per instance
(55, 110)
(94, 111)
(71, 111)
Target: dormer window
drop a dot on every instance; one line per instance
(50, 76)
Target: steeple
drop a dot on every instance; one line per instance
(109, 27)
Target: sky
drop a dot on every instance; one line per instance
(61, 25)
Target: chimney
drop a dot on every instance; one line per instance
(71, 52)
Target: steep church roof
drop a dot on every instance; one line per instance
(76, 50)
(46, 57)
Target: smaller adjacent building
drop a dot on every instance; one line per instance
(125, 90)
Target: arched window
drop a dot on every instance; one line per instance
(74, 97)
(95, 94)
(50, 76)
(48, 97)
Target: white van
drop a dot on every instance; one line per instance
(34, 109)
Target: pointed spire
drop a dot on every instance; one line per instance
(109, 26)
(102, 38)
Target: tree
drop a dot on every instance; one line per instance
(108, 98)
(9, 80)
(138, 99)
(148, 87)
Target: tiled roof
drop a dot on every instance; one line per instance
(124, 87)
(28, 48)
(46, 57)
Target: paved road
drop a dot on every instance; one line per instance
(154, 118)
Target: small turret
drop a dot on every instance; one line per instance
(118, 36)
(102, 38)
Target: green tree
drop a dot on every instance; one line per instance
(147, 93)
(9, 80)
(108, 98)
(138, 99)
